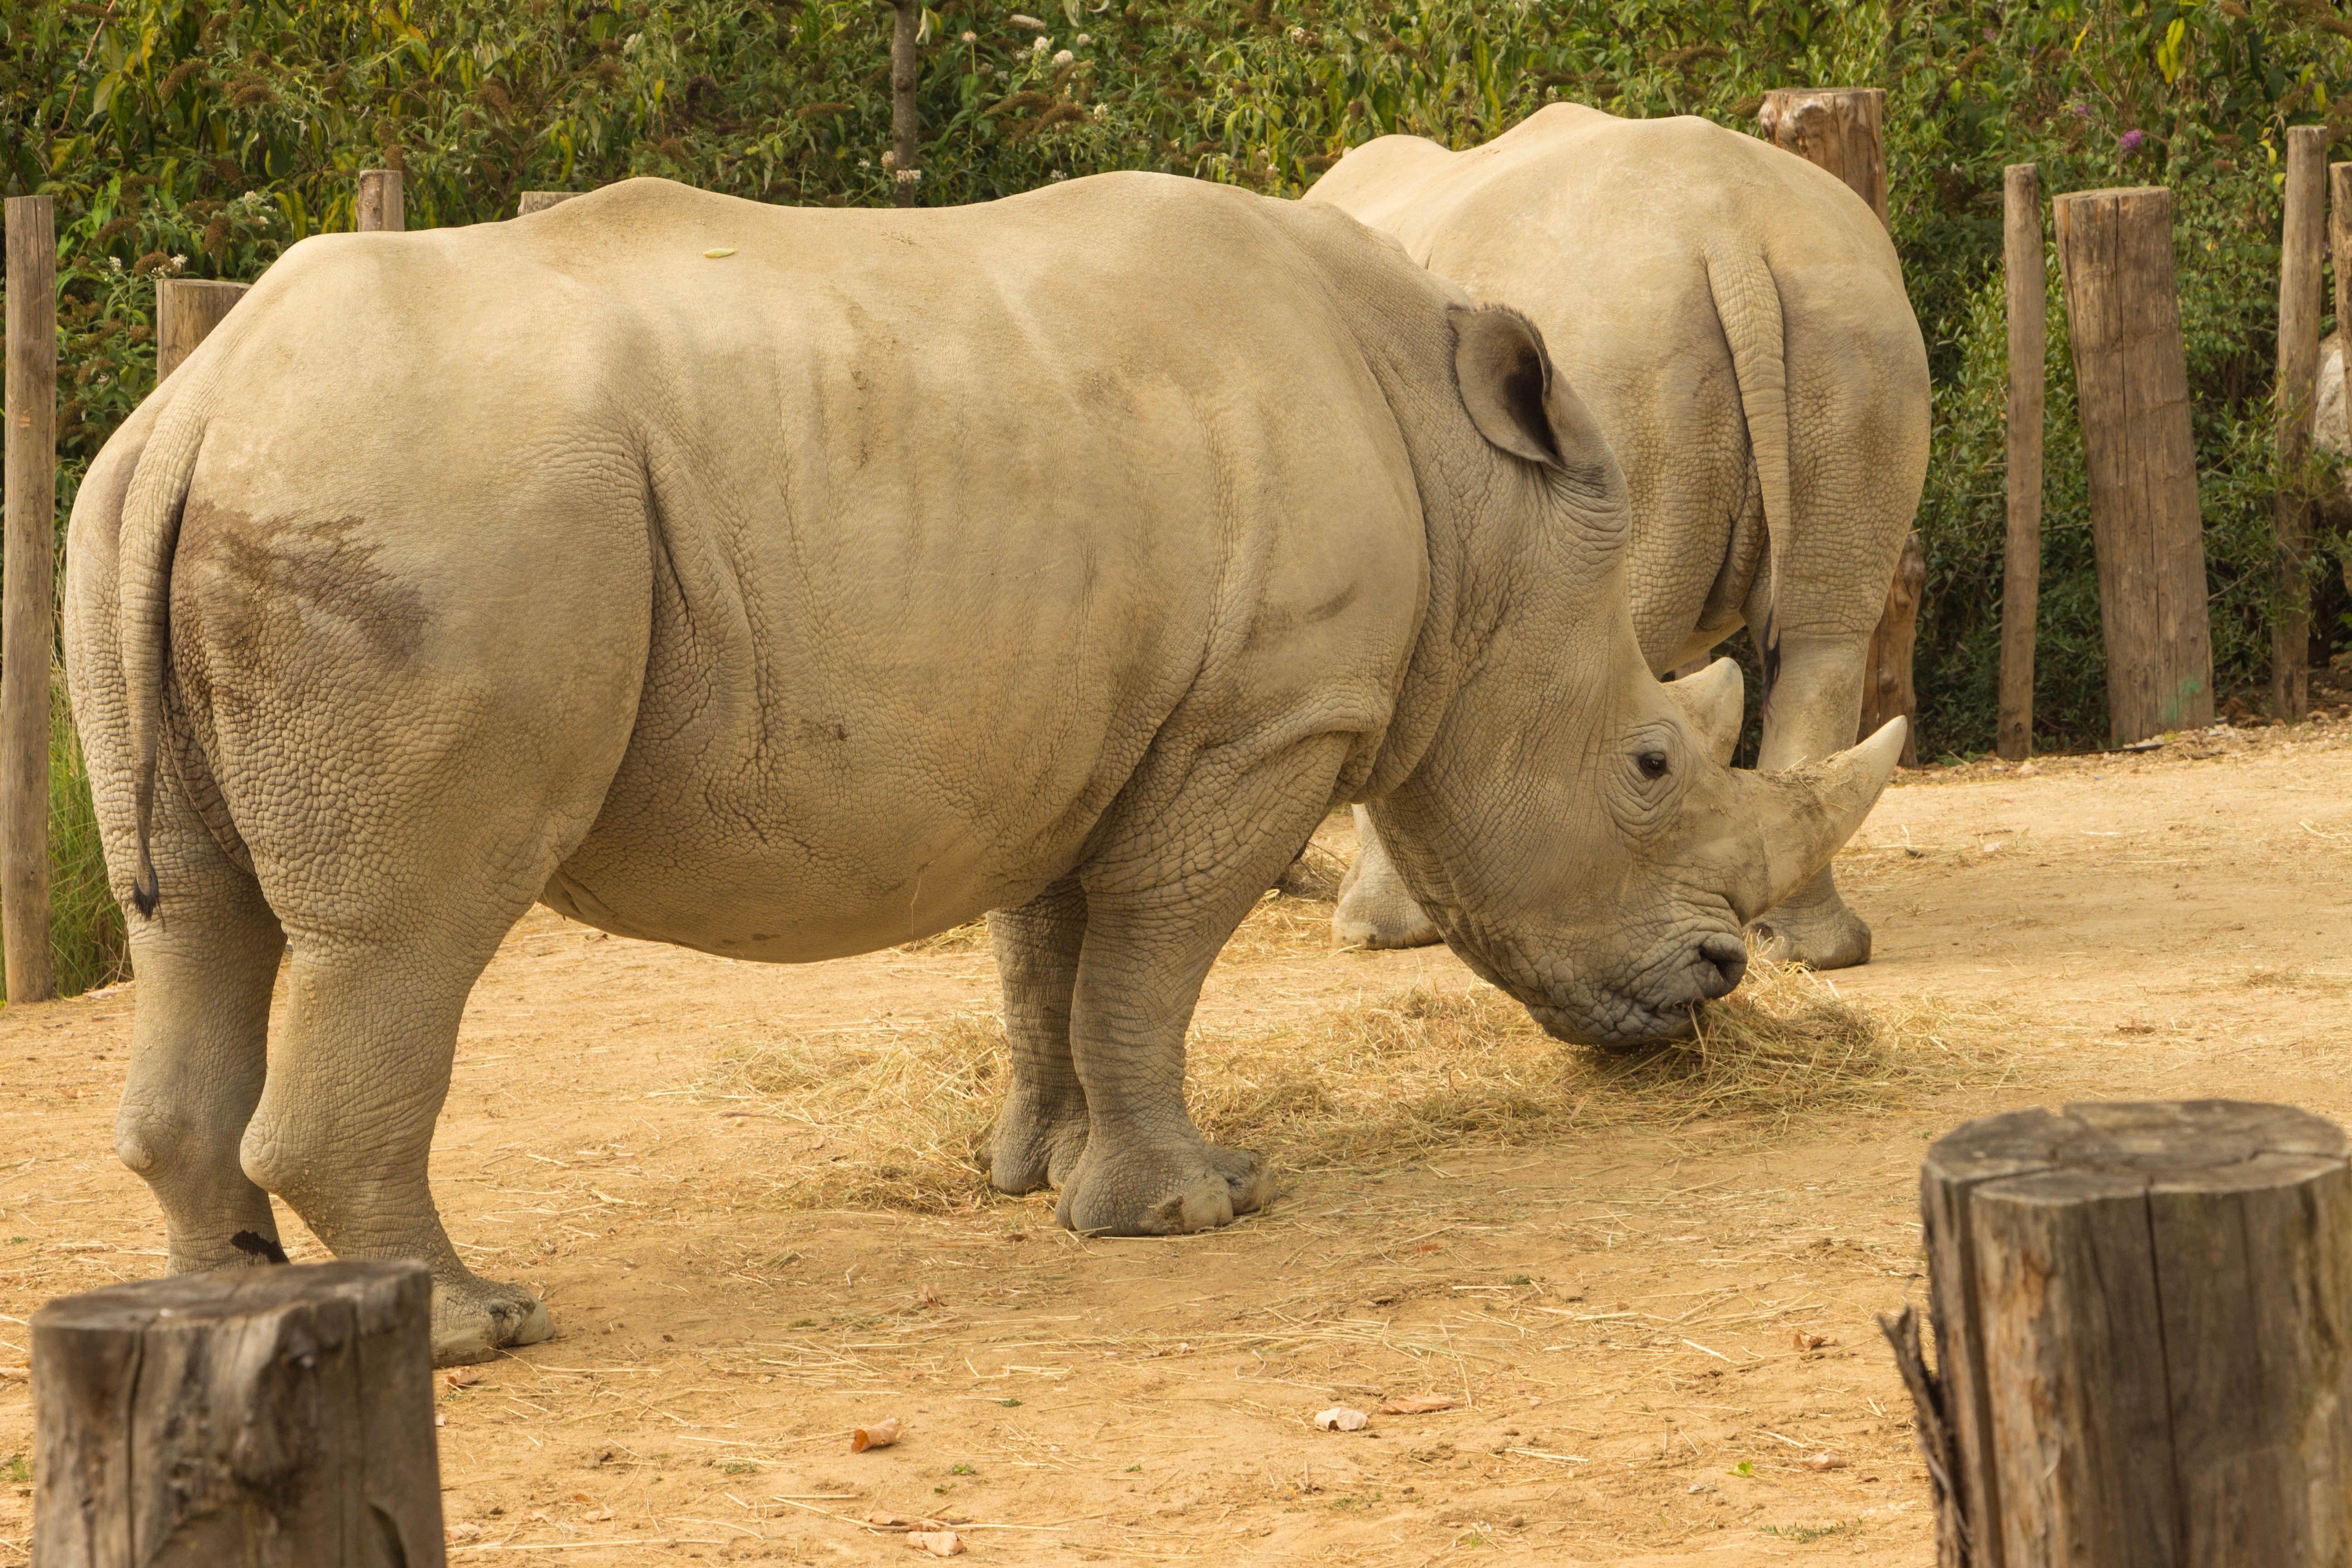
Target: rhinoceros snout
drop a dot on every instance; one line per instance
(1720, 963)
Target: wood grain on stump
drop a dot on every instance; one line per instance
(2144, 1326)
(278, 1417)
(382, 204)
(2131, 374)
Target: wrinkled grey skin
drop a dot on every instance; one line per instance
(1735, 320)
(1069, 556)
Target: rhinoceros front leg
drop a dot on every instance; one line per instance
(1162, 897)
(1041, 1129)
(1812, 712)
(1375, 908)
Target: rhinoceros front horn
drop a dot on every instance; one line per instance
(1807, 813)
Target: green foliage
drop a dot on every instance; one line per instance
(86, 929)
(183, 136)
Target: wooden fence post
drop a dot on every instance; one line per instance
(906, 158)
(2021, 578)
(381, 203)
(27, 599)
(187, 311)
(278, 1417)
(2304, 227)
(1843, 130)
(2339, 245)
(2143, 1328)
(2131, 376)
(539, 201)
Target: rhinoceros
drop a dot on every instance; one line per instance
(1735, 320)
(792, 584)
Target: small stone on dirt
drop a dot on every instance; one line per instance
(1822, 1461)
(938, 1542)
(457, 1533)
(1339, 1419)
(467, 1376)
(1805, 1342)
(881, 1435)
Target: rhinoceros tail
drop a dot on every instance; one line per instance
(1747, 303)
(149, 535)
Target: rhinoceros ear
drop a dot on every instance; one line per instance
(1516, 402)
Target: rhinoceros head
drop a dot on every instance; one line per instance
(1572, 827)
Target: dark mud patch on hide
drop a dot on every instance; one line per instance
(247, 593)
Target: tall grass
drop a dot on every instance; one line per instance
(86, 938)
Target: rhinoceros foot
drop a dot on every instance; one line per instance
(474, 1321)
(1162, 1191)
(1819, 931)
(1037, 1141)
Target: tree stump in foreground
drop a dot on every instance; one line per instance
(2144, 1326)
(276, 1417)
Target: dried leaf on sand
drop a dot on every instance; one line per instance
(1339, 1419)
(938, 1542)
(1419, 1404)
(881, 1435)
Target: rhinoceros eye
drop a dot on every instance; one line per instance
(1653, 765)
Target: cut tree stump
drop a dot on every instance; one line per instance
(2143, 1330)
(2131, 375)
(277, 1417)
(187, 311)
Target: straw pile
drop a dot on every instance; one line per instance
(898, 1111)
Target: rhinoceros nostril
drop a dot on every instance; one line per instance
(1723, 960)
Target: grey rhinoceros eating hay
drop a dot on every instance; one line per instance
(790, 584)
(1737, 322)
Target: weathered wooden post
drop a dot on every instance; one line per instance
(381, 203)
(539, 201)
(187, 311)
(277, 1417)
(27, 612)
(906, 159)
(2298, 364)
(2339, 245)
(1843, 130)
(2131, 377)
(2020, 579)
(2144, 1333)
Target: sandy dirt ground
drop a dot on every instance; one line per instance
(1660, 1342)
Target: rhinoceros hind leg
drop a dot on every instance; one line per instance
(206, 963)
(1042, 1130)
(344, 1127)
(1375, 908)
(1813, 926)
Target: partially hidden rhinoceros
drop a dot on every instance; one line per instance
(1735, 320)
(790, 584)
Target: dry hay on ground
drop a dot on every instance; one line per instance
(895, 1113)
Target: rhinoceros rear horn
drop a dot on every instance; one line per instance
(1519, 406)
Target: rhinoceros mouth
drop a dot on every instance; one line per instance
(1622, 1023)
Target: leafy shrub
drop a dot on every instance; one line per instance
(184, 136)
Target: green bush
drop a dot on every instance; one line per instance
(179, 136)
